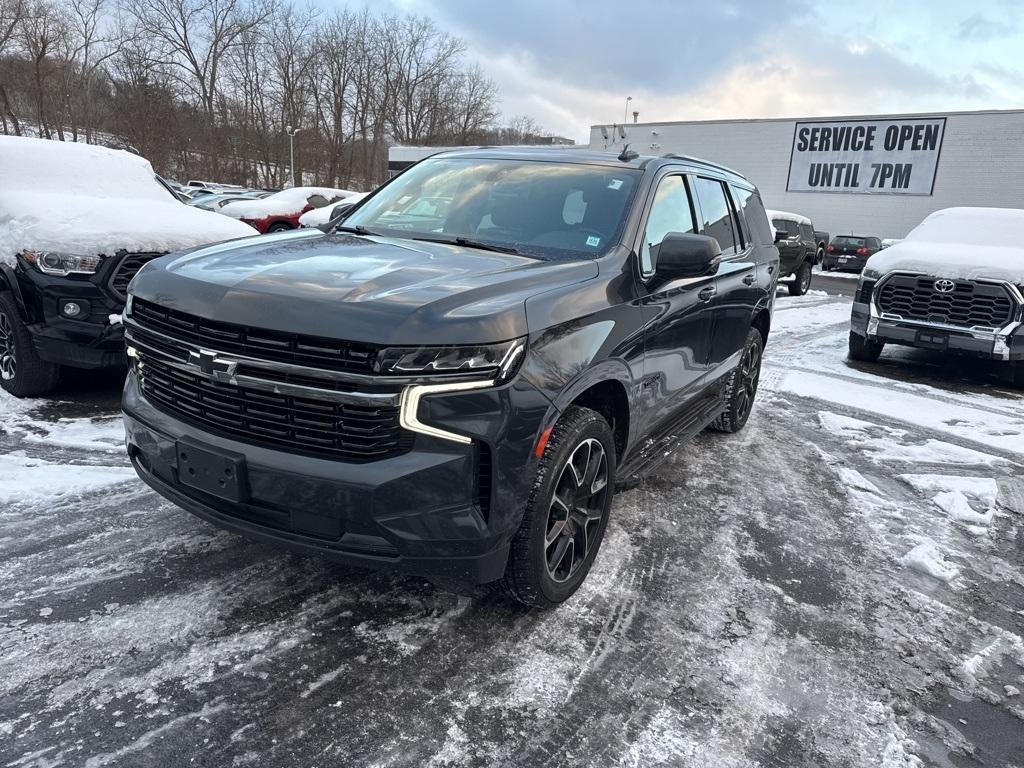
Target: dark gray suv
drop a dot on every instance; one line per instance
(454, 390)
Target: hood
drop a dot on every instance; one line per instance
(375, 290)
(961, 243)
(957, 261)
(83, 225)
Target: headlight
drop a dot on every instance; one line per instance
(63, 264)
(499, 360)
(870, 274)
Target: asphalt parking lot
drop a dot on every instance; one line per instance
(841, 584)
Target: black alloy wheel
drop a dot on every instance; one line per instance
(576, 511)
(8, 353)
(741, 388)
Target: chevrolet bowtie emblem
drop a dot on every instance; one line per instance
(210, 364)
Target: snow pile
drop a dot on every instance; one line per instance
(84, 199)
(984, 489)
(927, 559)
(104, 433)
(961, 243)
(320, 216)
(956, 505)
(24, 479)
(283, 203)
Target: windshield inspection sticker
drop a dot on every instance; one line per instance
(593, 241)
(615, 184)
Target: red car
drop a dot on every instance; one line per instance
(281, 210)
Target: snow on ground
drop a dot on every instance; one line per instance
(839, 585)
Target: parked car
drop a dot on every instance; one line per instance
(955, 284)
(216, 201)
(318, 217)
(76, 223)
(888, 242)
(281, 211)
(850, 252)
(455, 396)
(798, 249)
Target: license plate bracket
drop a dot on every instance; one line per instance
(219, 473)
(932, 340)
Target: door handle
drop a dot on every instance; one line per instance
(749, 279)
(706, 294)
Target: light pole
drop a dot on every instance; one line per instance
(291, 150)
(625, 115)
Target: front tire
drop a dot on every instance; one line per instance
(801, 281)
(741, 388)
(22, 372)
(566, 514)
(864, 350)
(279, 226)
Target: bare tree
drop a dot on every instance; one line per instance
(11, 14)
(41, 31)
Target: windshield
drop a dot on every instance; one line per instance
(542, 209)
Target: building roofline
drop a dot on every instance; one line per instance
(820, 118)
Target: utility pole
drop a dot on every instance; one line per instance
(291, 151)
(625, 115)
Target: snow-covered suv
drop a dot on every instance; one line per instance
(955, 284)
(76, 223)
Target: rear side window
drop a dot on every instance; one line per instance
(806, 232)
(754, 215)
(670, 212)
(717, 218)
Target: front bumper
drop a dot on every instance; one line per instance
(1005, 344)
(444, 510)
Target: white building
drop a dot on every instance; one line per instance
(868, 175)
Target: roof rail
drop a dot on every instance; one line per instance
(689, 159)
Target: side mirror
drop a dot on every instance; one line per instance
(781, 235)
(685, 255)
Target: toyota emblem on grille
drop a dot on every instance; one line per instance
(945, 286)
(210, 364)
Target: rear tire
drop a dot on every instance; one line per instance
(22, 372)
(279, 226)
(864, 350)
(801, 280)
(564, 513)
(741, 388)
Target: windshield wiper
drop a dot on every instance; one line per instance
(466, 242)
(357, 229)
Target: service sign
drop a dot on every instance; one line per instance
(890, 157)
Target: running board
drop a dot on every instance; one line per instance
(654, 451)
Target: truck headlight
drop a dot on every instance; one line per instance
(498, 360)
(870, 274)
(63, 264)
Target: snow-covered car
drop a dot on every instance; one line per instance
(320, 216)
(955, 284)
(218, 200)
(282, 210)
(76, 223)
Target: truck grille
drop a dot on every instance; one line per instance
(969, 304)
(272, 346)
(301, 425)
(130, 265)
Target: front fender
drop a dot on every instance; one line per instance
(9, 281)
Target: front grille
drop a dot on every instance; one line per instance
(356, 433)
(130, 265)
(272, 346)
(969, 304)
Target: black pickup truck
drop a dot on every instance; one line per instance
(455, 394)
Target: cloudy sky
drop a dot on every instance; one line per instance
(570, 64)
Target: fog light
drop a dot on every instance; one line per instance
(1001, 347)
(71, 309)
(872, 326)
